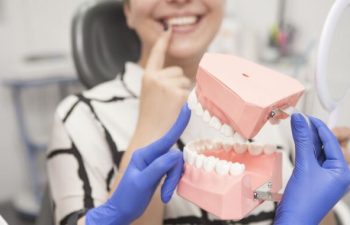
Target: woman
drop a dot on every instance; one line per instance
(96, 132)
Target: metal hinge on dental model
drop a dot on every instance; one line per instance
(278, 114)
(264, 193)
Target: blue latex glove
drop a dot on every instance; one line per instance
(144, 173)
(320, 177)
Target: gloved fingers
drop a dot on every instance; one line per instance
(303, 140)
(171, 181)
(330, 143)
(161, 146)
(160, 167)
(317, 145)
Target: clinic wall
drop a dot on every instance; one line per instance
(26, 28)
(11, 159)
(256, 19)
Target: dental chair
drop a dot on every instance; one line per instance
(101, 44)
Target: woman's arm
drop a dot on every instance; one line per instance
(164, 91)
(74, 161)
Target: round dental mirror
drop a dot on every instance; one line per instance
(333, 69)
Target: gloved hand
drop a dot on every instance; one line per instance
(144, 173)
(320, 177)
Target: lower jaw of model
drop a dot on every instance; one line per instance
(222, 176)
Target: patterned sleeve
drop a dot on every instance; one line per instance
(79, 161)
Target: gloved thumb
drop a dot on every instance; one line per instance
(303, 140)
(162, 145)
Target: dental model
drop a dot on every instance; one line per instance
(237, 98)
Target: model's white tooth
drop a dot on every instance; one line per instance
(209, 163)
(269, 149)
(206, 116)
(217, 145)
(222, 167)
(199, 161)
(192, 100)
(199, 109)
(192, 157)
(237, 138)
(240, 148)
(255, 149)
(210, 146)
(227, 130)
(192, 146)
(227, 145)
(215, 123)
(202, 146)
(185, 153)
(236, 169)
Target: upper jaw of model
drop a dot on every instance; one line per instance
(241, 94)
(236, 97)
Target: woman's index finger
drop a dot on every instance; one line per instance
(158, 53)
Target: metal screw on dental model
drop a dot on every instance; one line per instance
(272, 114)
(264, 193)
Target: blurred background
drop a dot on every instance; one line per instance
(37, 71)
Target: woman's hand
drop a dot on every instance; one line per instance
(147, 167)
(320, 178)
(164, 91)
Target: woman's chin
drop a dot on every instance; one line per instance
(185, 53)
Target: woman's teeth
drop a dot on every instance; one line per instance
(194, 157)
(182, 21)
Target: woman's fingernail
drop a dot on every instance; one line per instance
(166, 26)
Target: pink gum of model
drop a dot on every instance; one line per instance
(231, 197)
(243, 94)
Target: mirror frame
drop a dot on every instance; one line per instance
(323, 90)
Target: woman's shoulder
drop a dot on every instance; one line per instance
(104, 93)
(107, 90)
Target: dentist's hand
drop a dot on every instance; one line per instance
(316, 184)
(144, 173)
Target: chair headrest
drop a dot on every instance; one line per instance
(102, 42)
